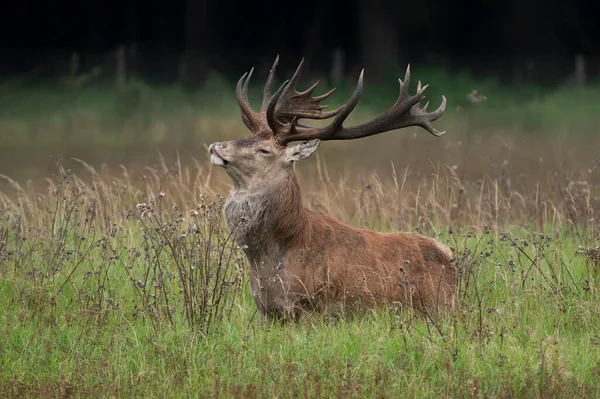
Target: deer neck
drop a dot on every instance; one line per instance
(269, 219)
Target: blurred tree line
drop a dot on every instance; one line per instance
(183, 40)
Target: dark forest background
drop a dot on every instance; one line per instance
(115, 82)
(182, 40)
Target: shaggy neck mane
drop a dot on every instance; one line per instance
(272, 216)
(287, 216)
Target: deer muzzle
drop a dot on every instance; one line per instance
(215, 157)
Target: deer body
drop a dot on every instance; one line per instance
(301, 260)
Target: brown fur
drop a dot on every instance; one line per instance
(329, 262)
(302, 260)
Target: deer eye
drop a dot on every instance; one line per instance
(264, 152)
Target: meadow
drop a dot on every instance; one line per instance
(118, 277)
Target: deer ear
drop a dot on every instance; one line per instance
(301, 151)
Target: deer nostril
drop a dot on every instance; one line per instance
(213, 147)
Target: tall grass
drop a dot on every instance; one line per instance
(129, 285)
(117, 276)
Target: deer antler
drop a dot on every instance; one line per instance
(255, 121)
(289, 104)
(294, 104)
(280, 112)
(405, 112)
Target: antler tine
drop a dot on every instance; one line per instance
(324, 96)
(294, 78)
(404, 85)
(249, 116)
(405, 112)
(241, 96)
(432, 116)
(272, 121)
(346, 109)
(267, 89)
(308, 91)
(247, 83)
(435, 115)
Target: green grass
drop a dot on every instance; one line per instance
(93, 303)
(510, 336)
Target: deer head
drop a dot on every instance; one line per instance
(279, 139)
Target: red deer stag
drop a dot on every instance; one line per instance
(301, 260)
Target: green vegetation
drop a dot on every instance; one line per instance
(118, 278)
(95, 112)
(116, 287)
